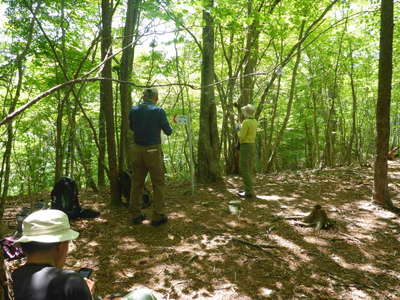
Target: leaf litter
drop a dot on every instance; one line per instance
(210, 250)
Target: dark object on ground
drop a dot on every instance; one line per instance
(318, 218)
(125, 188)
(64, 197)
(138, 220)
(392, 154)
(11, 251)
(244, 195)
(162, 220)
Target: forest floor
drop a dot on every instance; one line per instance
(205, 252)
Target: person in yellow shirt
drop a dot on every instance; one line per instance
(247, 139)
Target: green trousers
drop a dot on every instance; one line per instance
(147, 159)
(246, 166)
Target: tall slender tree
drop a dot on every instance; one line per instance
(208, 169)
(381, 192)
(132, 14)
(106, 93)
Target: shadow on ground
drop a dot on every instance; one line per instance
(204, 252)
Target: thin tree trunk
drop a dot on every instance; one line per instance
(317, 154)
(331, 126)
(85, 161)
(70, 158)
(6, 164)
(289, 56)
(58, 143)
(106, 92)
(353, 112)
(230, 138)
(289, 105)
(101, 181)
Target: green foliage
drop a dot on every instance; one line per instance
(167, 52)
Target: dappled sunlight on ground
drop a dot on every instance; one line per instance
(206, 251)
(298, 251)
(316, 241)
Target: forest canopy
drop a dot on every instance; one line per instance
(309, 67)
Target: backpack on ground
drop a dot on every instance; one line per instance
(125, 188)
(64, 197)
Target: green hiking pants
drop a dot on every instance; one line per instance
(147, 159)
(246, 165)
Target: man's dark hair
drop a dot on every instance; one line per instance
(33, 247)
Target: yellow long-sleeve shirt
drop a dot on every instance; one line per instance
(247, 133)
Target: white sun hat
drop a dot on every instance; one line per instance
(140, 293)
(248, 110)
(47, 226)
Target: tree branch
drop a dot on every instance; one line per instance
(11, 116)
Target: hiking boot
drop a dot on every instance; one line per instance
(245, 195)
(138, 220)
(162, 220)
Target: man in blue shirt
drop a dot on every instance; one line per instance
(146, 120)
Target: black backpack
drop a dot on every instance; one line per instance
(64, 196)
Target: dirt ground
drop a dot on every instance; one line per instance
(206, 252)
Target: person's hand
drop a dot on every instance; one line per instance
(90, 284)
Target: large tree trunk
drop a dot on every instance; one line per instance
(132, 15)
(381, 193)
(106, 92)
(208, 169)
(252, 38)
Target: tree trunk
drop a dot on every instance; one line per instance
(208, 169)
(101, 180)
(70, 155)
(230, 137)
(132, 14)
(85, 161)
(6, 164)
(252, 38)
(381, 192)
(353, 112)
(58, 143)
(106, 92)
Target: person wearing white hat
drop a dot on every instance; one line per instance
(247, 138)
(45, 240)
